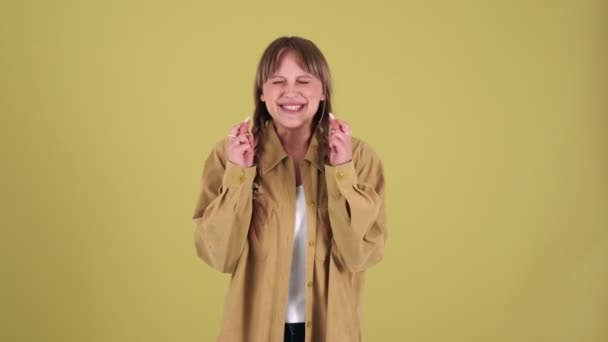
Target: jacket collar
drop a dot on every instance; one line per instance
(273, 151)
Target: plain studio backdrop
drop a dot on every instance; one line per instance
(491, 118)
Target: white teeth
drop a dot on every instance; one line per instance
(294, 107)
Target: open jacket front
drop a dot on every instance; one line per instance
(252, 238)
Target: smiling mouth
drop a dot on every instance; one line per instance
(293, 108)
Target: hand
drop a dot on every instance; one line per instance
(340, 142)
(240, 145)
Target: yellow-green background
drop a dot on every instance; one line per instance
(491, 118)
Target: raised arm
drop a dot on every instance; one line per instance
(356, 205)
(222, 214)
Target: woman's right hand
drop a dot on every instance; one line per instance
(240, 145)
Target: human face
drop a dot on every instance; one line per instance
(292, 95)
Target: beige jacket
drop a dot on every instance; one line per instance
(252, 239)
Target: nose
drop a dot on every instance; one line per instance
(290, 90)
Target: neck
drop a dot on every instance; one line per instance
(295, 141)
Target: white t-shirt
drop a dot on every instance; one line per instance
(296, 299)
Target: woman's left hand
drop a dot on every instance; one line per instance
(340, 142)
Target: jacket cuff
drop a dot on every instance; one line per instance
(236, 176)
(340, 178)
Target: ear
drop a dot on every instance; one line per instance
(323, 96)
(262, 97)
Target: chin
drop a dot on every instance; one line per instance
(293, 122)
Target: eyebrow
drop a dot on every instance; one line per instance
(301, 76)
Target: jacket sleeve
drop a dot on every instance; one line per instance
(357, 212)
(223, 211)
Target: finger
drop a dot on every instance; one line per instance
(239, 149)
(341, 136)
(338, 124)
(234, 131)
(333, 122)
(242, 149)
(335, 144)
(244, 126)
(244, 139)
(250, 139)
(344, 127)
(239, 140)
(338, 148)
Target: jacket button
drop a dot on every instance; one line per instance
(311, 203)
(310, 284)
(340, 175)
(308, 324)
(311, 243)
(242, 179)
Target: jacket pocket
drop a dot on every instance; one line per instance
(324, 235)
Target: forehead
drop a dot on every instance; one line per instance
(290, 61)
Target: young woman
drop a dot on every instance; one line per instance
(293, 208)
